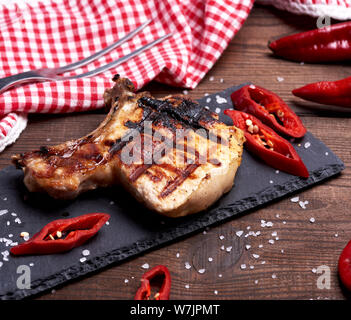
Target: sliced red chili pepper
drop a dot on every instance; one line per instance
(144, 291)
(267, 144)
(331, 43)
(62, 235)
(344, 266)
(269, 108)
(336, 93)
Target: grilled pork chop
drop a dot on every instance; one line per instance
(174, 156)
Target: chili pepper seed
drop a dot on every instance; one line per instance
(24, 234)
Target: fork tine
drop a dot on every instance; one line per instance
(102, 52)
(117, 62)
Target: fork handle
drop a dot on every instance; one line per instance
(10, 81)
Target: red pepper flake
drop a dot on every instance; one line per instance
(62, 235)
(268, 145)
(144, 291)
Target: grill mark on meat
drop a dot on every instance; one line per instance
(189, 113)
(186, 114)
(173, 184)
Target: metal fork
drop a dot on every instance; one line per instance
(52, 74)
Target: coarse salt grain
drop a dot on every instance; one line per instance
(221, 237)
(303, 204)
(220, 275)
(177, 254)
(271, 241)
(211, 78)
(208, 100)
(239, 233)
(210, 259)
(312, 220)
(295, 199)
(280, 79)
(185, 92)
(260, 246)
(83, 259)
(243, 266)
(145, 266)
(228, 249)
(85, 252)
(126, 280)
(269, 224)
(274, 276)
(202, 271)
(218, 110)
(187, 265)
(222, 248)
(220, 99)
(187, 286)
(2, 212)
(247, 247)
(215, 292)
(314, 270)
(270, 181)
(256, 256)
(307, 145)
(274, 234)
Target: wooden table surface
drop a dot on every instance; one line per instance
(292, 263)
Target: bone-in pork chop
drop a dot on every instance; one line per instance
(173, 155)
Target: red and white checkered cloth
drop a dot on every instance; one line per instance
(52, 33)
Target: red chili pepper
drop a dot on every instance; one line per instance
(269, 108)
(344, 266)
(268, 145)
(144, 291)
(336, 93)
(62, 235)
(331, 43)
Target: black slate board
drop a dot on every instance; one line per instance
(132, 229)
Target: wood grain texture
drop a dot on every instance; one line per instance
(302, 246)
